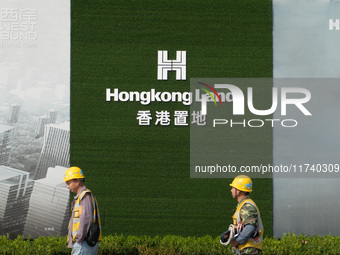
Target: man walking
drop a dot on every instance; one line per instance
(84, 213)
(247, 223)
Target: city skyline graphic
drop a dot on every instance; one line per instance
(34, 117)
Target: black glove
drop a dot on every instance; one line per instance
(225, 236)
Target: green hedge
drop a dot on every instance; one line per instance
(119, 244)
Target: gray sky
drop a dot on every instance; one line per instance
(304, 47)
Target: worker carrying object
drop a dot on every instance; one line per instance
(245, 235)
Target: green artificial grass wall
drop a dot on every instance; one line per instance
(140, 174)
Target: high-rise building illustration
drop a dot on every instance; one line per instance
(13, 114)
(6, 139)
(2, 92)
(40, 128)
(49, 210)
(49, 118)
(52, 114)
(56, 148)
(15, 192)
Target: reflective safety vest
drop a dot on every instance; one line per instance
(77, 212)
(251, 242)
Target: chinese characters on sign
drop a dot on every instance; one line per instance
(163, 118)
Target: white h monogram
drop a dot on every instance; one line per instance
(334, 24)
(178, 65)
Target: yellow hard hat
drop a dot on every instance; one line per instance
(243, 183)
(73, 173)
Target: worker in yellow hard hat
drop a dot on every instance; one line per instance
(245, 234)
(84, 230)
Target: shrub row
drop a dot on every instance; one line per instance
(119, 244)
